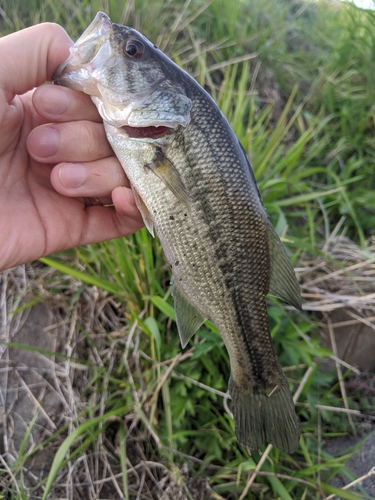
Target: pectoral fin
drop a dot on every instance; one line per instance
(283, 281)
(188, 318)
(167, 172)
(147, 219)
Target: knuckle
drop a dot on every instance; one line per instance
(50, 27)
(91, 140)
(53, 33)
(118, 173)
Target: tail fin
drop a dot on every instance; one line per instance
(265, 416)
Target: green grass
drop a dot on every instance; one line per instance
(303, 109)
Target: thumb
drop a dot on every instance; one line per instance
(30, 56)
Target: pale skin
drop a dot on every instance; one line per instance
(53, 155)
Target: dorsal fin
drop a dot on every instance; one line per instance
(283, 281)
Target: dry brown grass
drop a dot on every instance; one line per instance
(51, 386)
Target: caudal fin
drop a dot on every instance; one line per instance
(265, 416)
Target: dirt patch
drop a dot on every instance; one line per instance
(46, 393)
(360, 465)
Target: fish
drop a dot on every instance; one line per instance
(194, 186)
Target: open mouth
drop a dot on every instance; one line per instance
(147, 132)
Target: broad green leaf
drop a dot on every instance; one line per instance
(164, 307)
(86, 278)
(341, 493)
(155, 332)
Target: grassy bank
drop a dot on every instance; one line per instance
(295, 80)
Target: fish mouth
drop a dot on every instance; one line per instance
(97, 66)
(88, 54)
(151, 132)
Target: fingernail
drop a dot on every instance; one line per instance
(52, 99)
(72, 175)
(45, 141)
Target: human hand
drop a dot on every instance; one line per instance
(53, 154)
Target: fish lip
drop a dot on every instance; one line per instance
(101, 25)
(63, 72)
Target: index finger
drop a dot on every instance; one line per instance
(60, 104)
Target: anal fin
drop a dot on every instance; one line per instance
(188, 318)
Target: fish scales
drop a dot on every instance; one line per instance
(225, 235)
(213, 261)
(194, 185)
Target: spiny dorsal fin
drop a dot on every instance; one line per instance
(167, 172)
(188, 318)
(283, 281)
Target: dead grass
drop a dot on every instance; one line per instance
(57, 360)
(342, 277)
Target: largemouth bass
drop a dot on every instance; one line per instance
(194, 185)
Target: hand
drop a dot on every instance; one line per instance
(53, 154)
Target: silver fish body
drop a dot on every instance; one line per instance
(194, 185)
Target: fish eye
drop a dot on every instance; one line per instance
(134, 48)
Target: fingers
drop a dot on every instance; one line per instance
(30, 56)
(124, 202)
(104, 180)
(60, 104)
(106, 223)
(76, 142)
(69, 142)
(93, 179)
